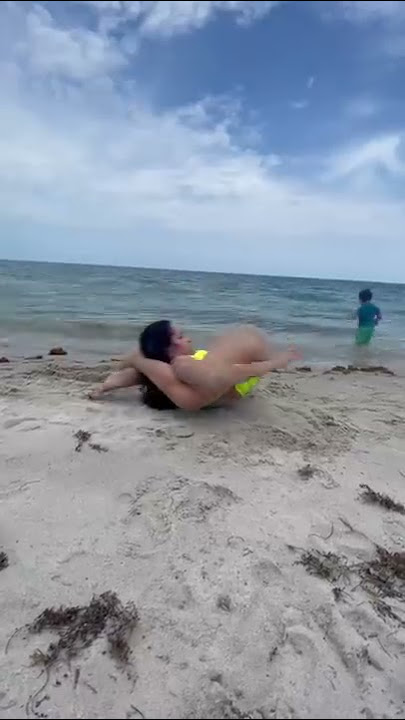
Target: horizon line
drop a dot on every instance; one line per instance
(205, 272)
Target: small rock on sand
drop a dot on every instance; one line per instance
(4, 359)
(57, 351)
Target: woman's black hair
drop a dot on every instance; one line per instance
(365, 295)
(154, 342)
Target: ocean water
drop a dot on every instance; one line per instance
(97, 312)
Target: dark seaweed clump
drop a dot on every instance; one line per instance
(79, 626)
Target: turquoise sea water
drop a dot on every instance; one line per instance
(98, 311)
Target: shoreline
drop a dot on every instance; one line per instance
(381, 351)
(219, 527)
(64, 354)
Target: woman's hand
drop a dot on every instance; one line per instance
(131, 361)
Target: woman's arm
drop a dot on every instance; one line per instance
(128, 361)
(115, 381)
(162, 375)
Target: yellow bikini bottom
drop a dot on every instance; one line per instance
(243, 388)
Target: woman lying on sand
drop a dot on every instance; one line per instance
(166, 370)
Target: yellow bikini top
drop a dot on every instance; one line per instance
(200, 354)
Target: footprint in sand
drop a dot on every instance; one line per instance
(303, 641)
(8, 424)
(16, 487)
(6, 704)
(266, 572)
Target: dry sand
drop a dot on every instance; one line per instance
(202, 522)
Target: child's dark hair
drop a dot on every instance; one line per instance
(365, 295)
(154, 342)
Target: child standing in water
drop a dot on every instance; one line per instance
(368, 316)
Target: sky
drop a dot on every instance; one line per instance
(257, 137)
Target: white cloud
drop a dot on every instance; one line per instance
(63, 163)
(82, 159)
(32, 41)
(77, 53)
(371, 10)
(310, 82)
(387, 16)
(80, 53)
(373, 156)
(170, 17)
(299, 104)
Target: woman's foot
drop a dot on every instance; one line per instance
(96, 394)
(285, 357)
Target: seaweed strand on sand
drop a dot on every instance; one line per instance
(79, 626)
(375, 498)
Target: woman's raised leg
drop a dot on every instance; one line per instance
(233, 357)
(242, 344)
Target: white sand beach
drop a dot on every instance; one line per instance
(202, 521)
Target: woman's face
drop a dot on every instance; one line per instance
(180, 345)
